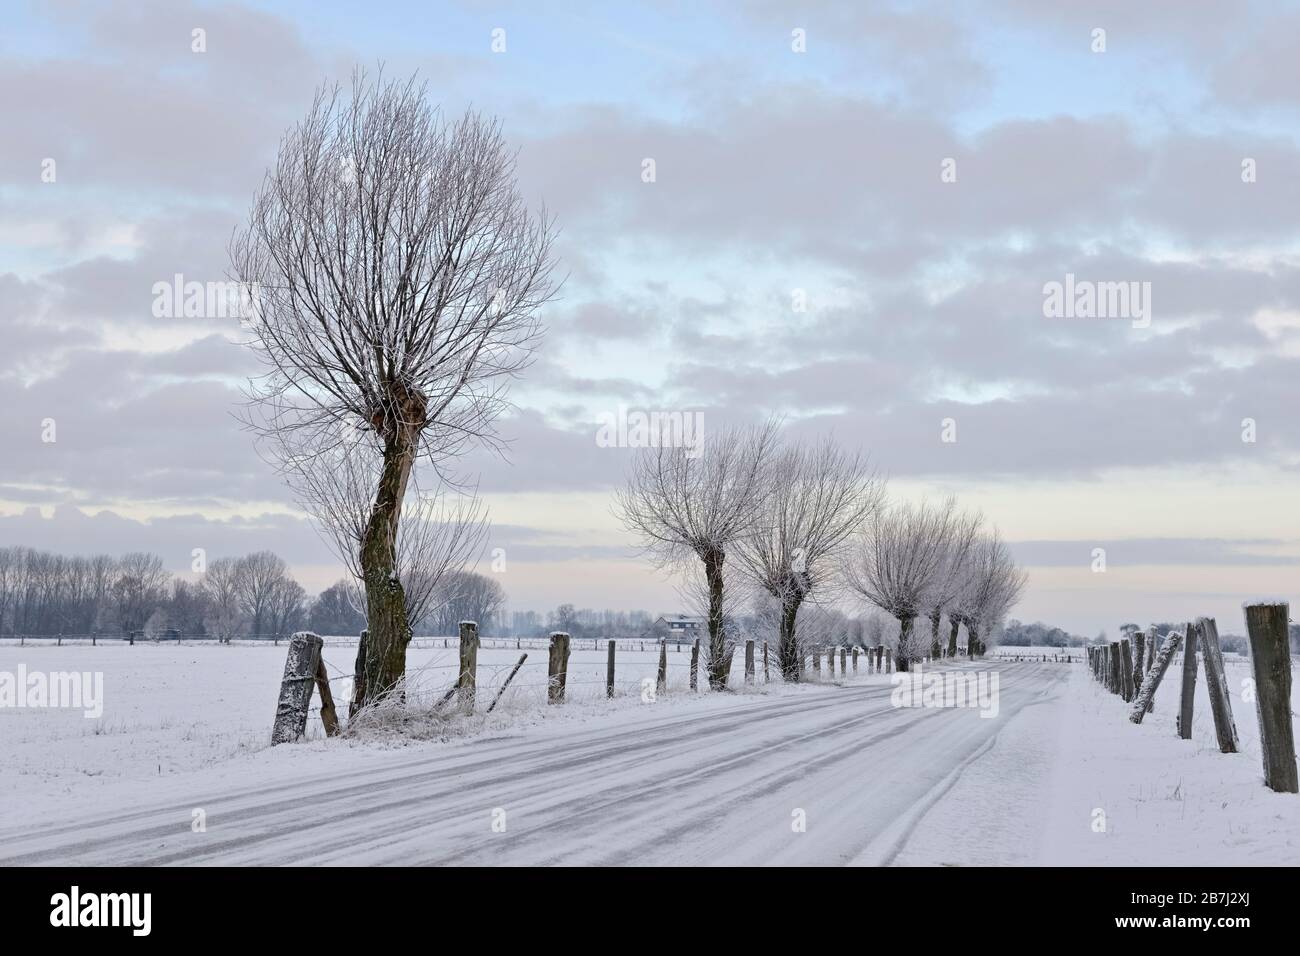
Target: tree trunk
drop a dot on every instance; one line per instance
(713, 560)
(973, 646)
(935, 649)
(904, 655)
(788, 646)
(954, 624)
(386, 621)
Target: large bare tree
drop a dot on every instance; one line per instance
(817, 496)
(898, 561)
(689, 504)
(396, 275)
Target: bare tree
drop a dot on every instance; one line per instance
(817, 496)
(695, 504)
(897, 562)
(963, 533)
(467, 596)
(992, 588)
(140, 587)
(221, 582)
(285, 608)
(397, 275)
(257, 576)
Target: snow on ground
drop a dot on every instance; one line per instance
(172, 708)
(188, 725)
(1057, 769)
(811, 774)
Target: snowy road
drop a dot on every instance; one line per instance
(670, 786)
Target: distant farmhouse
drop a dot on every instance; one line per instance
(680, 628)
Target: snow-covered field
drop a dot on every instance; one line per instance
(170, 708)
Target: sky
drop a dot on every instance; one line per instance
(855, 212)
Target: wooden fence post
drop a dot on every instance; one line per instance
(1152, 683)
(1116, 680)
(1217, 685)
(468, 680)
(609, 672)
(844, 657)
(661, 678)
(1153, 648)
(749, 661)
(557, 667)
(1139, 659)
(855, 659)
(695, 665)
(1185, 705)
(767, 677)
(328, 715)
(1126, 666)
(889, 660)
(1270, 655)
(295, 688)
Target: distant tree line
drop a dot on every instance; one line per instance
(1038, 634)
(48, 594)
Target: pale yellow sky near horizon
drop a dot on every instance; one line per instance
(1238, 502)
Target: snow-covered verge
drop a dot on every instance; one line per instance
(1074, 783)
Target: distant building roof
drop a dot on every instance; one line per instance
(681, 620)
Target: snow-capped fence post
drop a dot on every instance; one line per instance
(295, 688)
(695, 665)
(1185, 705)
(1152, 683)
(855, 660)
(749, 661)
(880, 658)
(1217, 686)
(328, 715)
(889, 660)
(1270, 656)
(467, 682)
(661, 678)
(1139, 659)
(1153, 648)
(1126, 669)
(844, 657)
(609, 671)
(557, 667)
